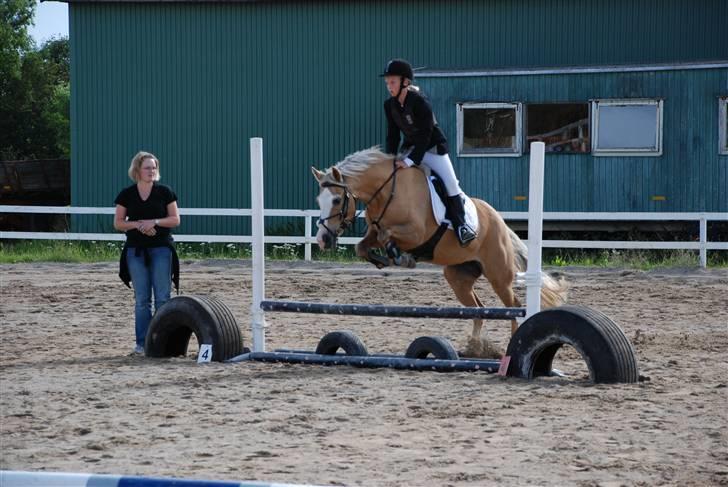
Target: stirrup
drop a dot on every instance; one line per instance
(465, 235)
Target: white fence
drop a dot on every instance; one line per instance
(703, 245)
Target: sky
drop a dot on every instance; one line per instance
(51, 19)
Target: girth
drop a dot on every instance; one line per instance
(426, 251)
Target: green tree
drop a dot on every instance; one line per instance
(42, 109)
(58, 119)
(56, 115)
(34, 89)
(15, 18)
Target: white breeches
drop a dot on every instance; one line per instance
(443, 167)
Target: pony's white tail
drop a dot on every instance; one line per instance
(553, 291)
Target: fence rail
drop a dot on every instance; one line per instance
(703, 245)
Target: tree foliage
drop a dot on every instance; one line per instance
(34, 88)
(15, 17)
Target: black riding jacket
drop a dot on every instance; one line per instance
(417, 122)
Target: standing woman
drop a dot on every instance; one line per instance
(147, 211)
(410, 113)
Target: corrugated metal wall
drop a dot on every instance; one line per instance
(192, 82)
(689, 174)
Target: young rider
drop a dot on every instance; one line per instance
(410, 113)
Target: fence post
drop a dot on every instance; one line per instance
(703, 242)
(535, 228)
(258, 236)
(307, 245)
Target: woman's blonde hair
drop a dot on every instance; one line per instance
(136, 165)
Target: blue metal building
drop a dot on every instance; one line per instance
(629, 96)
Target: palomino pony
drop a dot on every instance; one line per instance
(399, 216)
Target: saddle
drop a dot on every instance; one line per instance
(440, 190)
(441, 212)
(440, 208)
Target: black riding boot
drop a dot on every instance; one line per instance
(463, 232)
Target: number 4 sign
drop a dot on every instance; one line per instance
(205, 354)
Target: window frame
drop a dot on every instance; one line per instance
(722, 125)
(516, 152)
(626, 152)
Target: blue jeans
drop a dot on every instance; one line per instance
(156, 278)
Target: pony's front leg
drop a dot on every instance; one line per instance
(364, 249)
(393, 251)
(366, 243)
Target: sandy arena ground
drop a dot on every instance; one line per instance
(72, 399)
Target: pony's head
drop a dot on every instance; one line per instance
(337, 204)
(354, 175)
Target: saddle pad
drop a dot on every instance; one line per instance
(438, 209)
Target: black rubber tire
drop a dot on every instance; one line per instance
(602, 344)
(344, 340)
(438, 347)
(208, 318)
(233, 339)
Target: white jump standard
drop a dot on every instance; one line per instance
(532, 275)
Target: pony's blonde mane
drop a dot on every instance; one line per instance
(358, 162)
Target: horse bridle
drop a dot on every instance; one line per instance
(346, 222)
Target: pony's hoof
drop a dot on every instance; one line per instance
(378, 260)
(490, 350)
(407, 262)
(481, 349)
(473, 349)
(404, 261)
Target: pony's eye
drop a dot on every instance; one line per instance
(336, 201)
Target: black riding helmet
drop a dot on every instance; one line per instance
(398, 67)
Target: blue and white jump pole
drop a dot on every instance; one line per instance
(532, 275)
(10, 478)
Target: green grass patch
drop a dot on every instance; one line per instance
(202, 250)
(17, 251)
(631, 259)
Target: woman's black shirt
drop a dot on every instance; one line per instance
(154, 207)
(150, 209)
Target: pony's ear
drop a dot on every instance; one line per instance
(337, 175)
(317, 174)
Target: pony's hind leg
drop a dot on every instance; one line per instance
(462, 278)
(504, 289)
(499, 262)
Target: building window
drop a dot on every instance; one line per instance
(563, 127)
(723, 125)
(627, 127)
(489, 129)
